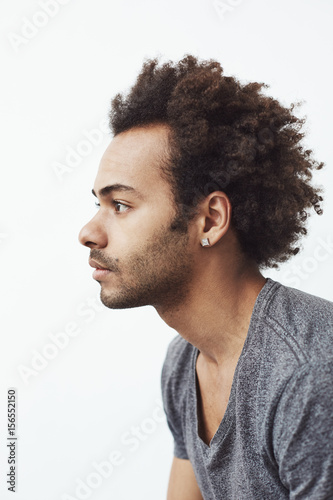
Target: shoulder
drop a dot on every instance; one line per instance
(176, 369)
(292, 346)
(175, 381)
(302, 321)
(178, 358)
(300, 304)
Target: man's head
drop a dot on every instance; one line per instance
(137, 233)
(206, 157)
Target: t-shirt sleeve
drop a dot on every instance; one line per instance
(172, 398)
(303, 433)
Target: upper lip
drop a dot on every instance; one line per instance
(97, 265)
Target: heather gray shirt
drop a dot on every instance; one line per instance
(275, 440)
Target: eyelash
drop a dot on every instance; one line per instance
(114, 203)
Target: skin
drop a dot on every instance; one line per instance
(206, 294)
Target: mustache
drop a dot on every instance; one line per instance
(105, 261)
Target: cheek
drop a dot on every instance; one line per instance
(136, 227)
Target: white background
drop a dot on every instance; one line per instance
(56, 87)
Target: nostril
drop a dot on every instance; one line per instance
(89, 244)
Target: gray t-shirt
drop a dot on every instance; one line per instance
(275, 440)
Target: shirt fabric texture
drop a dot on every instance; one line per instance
(275, 440)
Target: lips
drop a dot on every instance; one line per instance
(97, 265)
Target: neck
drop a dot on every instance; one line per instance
(216, 313)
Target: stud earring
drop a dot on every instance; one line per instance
(205, 242)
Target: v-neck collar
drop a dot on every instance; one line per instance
(229, 414)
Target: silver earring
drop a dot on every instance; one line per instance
(205, 242)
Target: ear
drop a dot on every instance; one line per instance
(215, 217)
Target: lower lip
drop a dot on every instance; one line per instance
(99, 274)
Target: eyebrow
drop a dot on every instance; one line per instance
(116, 187)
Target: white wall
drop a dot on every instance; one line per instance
(56, 85)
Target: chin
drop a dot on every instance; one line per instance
(120, 302)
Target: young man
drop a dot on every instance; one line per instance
(204, 184)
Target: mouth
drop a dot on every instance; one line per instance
(100, 271)
(97, 265)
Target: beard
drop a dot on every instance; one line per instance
(158, 273)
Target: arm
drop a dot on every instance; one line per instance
(182, 482)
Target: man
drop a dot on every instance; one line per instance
(204, 184)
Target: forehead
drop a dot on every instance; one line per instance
(134, 158)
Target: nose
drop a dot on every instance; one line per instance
(93, 235)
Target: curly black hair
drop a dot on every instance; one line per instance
(228, 136)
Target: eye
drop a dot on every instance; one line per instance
(119, 207)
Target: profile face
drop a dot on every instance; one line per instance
(145, 261)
